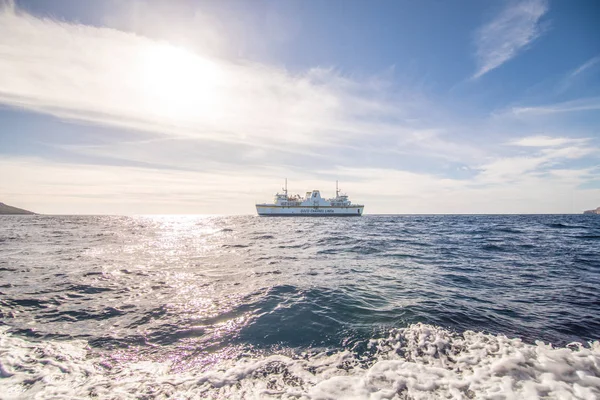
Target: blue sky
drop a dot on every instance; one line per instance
(204, 106)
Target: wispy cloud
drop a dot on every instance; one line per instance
(549, 153)
(576, 74)
(546, 141)
(508, 34)
(585, 66)
(587, 104)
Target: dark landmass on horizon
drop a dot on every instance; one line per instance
(10, 210)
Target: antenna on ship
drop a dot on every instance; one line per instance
(285, 188)
(337, 191)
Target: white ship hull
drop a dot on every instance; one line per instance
(311, 205)
(306, 211)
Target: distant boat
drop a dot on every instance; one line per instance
(311, 205)
(596, 211)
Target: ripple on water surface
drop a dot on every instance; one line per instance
(254, 307)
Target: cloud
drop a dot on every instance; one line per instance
(550, 153)
(508, 34)
(585, 66)
(120, 79)
(586, 104)
(546, 141)
(75, 188)
(88, 189)
(126, 81)
(544, 181)
(576, 75)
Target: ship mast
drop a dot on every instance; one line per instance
(285, 188)
(337, 191)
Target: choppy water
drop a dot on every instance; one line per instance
(247, 307)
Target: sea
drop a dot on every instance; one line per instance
(246, 307)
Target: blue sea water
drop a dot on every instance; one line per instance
(246, 307)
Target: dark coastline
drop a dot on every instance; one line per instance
(5, 209)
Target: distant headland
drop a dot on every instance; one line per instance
(9, 210)
(596, 211)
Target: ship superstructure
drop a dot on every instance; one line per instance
(312, 204)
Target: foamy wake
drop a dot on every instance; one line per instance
(418, 362)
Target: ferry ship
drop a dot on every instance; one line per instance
(311, 205)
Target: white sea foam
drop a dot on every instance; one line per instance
(418, 362)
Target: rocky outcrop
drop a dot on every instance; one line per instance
(596, 211)
(9, 210)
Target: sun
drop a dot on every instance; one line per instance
(178, 84)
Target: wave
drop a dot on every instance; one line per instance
(417, 362)
(565, 226)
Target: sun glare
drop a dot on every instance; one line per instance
(178, 84)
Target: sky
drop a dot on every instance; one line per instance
(205, 107)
